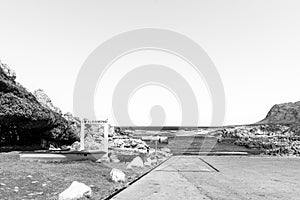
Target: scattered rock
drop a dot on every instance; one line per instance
(167, 150)
(65, 148)
(16, 189)
(54, 148)
(35, 193)
(125, 142)
(163, 139)
(29, 176)
(271, 139)
(163, 154)
(117, 175)
(2, 184)
(114, 158)
(136, 162)
(104, 159)
(75, 146)
(152, 161)
(76, 191)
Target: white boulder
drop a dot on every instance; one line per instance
(103, 159)
(167, 150)
(117, 175)
(152, 160)
(76, 191)
(53, 148)
(114, 158)
(149, 162)
(136, 162)
(76, 146)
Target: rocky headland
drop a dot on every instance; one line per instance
(285, 113)
(277, 134)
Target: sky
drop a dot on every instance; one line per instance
(254, 45)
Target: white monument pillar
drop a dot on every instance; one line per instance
(82, 135)
(106, 130)
(105, 142)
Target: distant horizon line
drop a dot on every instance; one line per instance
(190, 127)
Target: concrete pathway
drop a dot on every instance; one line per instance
(219, 177)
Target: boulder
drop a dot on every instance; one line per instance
(163, 154)
(147, 164)
(76, 146)
(65, 148)
(167, 150)
(117, 175)
(150, 161)
(53, 148)
(114, 158)
(103, 159)
(136, 162)
(76, 191)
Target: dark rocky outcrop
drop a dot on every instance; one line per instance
(286, 113)
(74, 123)
(24, 120)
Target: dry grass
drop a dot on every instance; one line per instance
(42, 181)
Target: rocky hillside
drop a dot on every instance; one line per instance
(277, 134)
(45, 101)
(285, 113)
(24, 120)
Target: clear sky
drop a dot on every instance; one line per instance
(254, 44)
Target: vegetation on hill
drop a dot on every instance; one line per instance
(24, 120)
(285, 113)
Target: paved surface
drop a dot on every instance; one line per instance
(220, 177)
(195, 144)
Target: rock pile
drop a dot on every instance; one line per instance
(126, 142)
(123, 140)
(273, 139)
